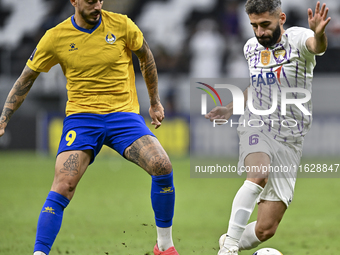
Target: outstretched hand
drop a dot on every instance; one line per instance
(156, 112)
(319, 21)
(219, 112)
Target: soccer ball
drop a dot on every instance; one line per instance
(267, 251)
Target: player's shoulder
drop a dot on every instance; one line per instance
(296, 31)
(59, 28)
(297, 36)
(250, 44)
(114, 17)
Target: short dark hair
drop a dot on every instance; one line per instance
(262, 6)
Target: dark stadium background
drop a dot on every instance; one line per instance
(111, 213)
(185, 37)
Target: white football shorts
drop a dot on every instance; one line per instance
(284, 158)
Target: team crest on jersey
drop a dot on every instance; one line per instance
(265, 57)
(73, 47)
(280, 55)
(110, 38)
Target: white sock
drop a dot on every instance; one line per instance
(164, 238)
(39, 253)
(243, 206)
(249, 239)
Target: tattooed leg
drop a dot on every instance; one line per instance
(70, 167)
(149, 154)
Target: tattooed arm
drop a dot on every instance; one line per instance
(16, 96)
(149, 72)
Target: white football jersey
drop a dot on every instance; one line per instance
(288, 64)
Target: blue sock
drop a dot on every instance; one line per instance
(163, 199)
(49, 222)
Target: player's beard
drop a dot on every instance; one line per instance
(268, 41)
(89, 17)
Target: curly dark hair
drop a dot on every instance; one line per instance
(261, 6)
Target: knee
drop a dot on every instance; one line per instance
(67, 187)
(64, 188)
(161, 165)
(265, 233)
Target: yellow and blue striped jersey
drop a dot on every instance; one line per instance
(97, 63)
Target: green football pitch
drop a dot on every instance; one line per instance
(111, 210)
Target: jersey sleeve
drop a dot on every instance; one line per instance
(302, 35)
(43, 57)
(134, 36)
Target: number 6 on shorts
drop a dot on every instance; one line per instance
(254, 139)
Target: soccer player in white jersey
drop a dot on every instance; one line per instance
(279, 60)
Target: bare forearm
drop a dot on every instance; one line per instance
(149, 72)
(317, 44)
(14, 100)
(18, 94)
(151, 79)
(320, 43)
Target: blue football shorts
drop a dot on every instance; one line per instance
(87, 131)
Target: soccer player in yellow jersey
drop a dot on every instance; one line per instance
(94, 49)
